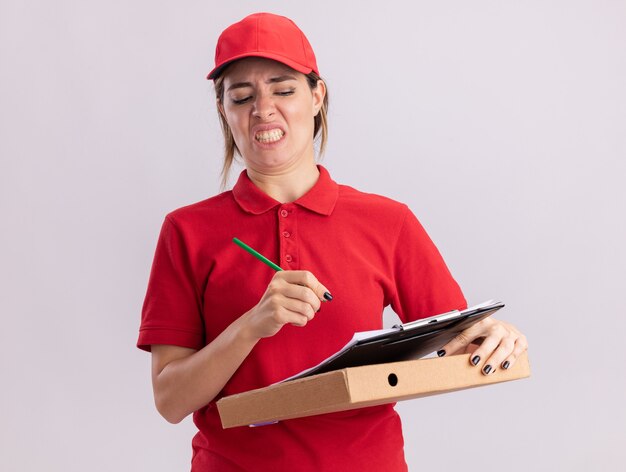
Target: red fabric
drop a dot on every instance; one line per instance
(265, 35)
(368, 250)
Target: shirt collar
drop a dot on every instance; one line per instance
(320, 199)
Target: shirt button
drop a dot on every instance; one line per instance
(288, 258)
(284, 213)
(286, 234)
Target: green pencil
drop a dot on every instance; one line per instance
(260, 257)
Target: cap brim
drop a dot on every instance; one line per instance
(267, 55)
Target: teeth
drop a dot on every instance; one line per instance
(269, 136)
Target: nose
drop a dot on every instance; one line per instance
(263, 107)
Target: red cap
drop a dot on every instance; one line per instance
(264, 35)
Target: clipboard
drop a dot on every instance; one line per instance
(402, 342)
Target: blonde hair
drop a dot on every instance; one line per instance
(320, 126)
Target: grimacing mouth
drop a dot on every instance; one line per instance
(269, 136)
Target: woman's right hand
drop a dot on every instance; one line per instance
(292, 296)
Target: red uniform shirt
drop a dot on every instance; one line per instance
(368, 250)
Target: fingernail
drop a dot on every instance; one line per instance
(487, 369)
(328, 296)
(506, 365)
(441, 353)
(475, 360)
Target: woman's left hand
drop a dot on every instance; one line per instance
(494, 342)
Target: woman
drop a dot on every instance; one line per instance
(219, 322)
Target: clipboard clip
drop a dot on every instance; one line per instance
(427, 321)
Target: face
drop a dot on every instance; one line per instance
(270, 108)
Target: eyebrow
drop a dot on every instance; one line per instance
(273, 80)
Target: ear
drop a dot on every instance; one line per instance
(318, 93)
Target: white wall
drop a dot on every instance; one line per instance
(501, 123)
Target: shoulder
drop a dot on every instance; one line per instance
(371, 203)
(218, 206)
(370, 214)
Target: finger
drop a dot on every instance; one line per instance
(294, 305)
(461, 340)
(299, 321)
(521, 345)
(489, 344)
(496, 334)
(306, 278)
(303, 294)
(495, 358)
(283, 315)
(296, 317)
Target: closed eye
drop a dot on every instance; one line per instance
(241, 101)
(286, 93)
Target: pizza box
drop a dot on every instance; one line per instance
(358, 387)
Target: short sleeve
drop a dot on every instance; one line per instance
(424, 285)
(171, 311)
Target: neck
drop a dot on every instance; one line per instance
(287, 185)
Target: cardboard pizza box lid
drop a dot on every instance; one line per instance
(358, 387)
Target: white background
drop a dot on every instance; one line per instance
(501, 123)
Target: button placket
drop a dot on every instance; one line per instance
(287, 219)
